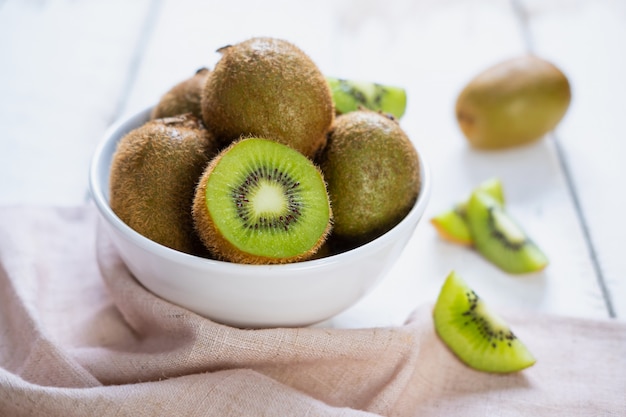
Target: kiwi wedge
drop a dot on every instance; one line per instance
(153, 176)
(262, 202)
(373, 174)
(512, 103)
(184, 97)
(499, 238)
(451, 224)
(269, 88)
(350, 95)
(475, 333)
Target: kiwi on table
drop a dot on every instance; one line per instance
(513, 103)
(373, 174)
(183, 97)
(350, 95)
(451, 224)
(499, 238)
(153, 176)
(475, 333)
(269, 88)
(262, 202)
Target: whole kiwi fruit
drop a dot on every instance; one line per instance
(262, 202)
(184, 97)
(513, 103)
(153, 176)
(373, 174)
(269, 88)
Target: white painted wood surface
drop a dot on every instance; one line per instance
(68, 69)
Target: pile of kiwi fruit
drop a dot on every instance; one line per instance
(264, 160)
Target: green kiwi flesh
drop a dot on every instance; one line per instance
(184, 97)
(269, 88)
(451, 224)
(153, 176)
(262, 202)
(350, 95)
(373, 175)
(475, 333)
(499, 238)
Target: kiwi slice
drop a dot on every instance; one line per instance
(350, 95)
(477, 335)
(499, 238)
(372, 170)
(451, 224)
(262, 202)
(184, 97)
(269, 88)
(153, 177)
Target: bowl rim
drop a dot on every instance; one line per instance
(98, 195)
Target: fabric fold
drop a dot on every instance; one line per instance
(80, 336)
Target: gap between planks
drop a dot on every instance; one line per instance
(522, 17)
(147, 29)
(145, 35)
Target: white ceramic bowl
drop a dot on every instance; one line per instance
(297, 294)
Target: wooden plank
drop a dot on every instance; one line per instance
(64, 65)
(188, 34)
(432, 49)
(436, 50)
(586, 39)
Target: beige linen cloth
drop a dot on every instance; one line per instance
(80, 337)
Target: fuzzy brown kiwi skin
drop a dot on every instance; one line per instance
(153, 177)
(184, 97)
(267, 87)
(372, 171)
(220, 247)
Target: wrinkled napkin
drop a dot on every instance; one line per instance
(79, 336)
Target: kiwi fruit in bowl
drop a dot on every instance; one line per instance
(153, 175)
(478, 336)
(373, 175)
(184, 97)
(262, 202)
(350, 95)
(268, 88)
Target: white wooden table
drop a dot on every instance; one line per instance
(70, 69)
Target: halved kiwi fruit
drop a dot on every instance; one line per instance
(153, 176)
(350, 95)
(499, 238)
(262, 202)
(451, 224)
(474, 333)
